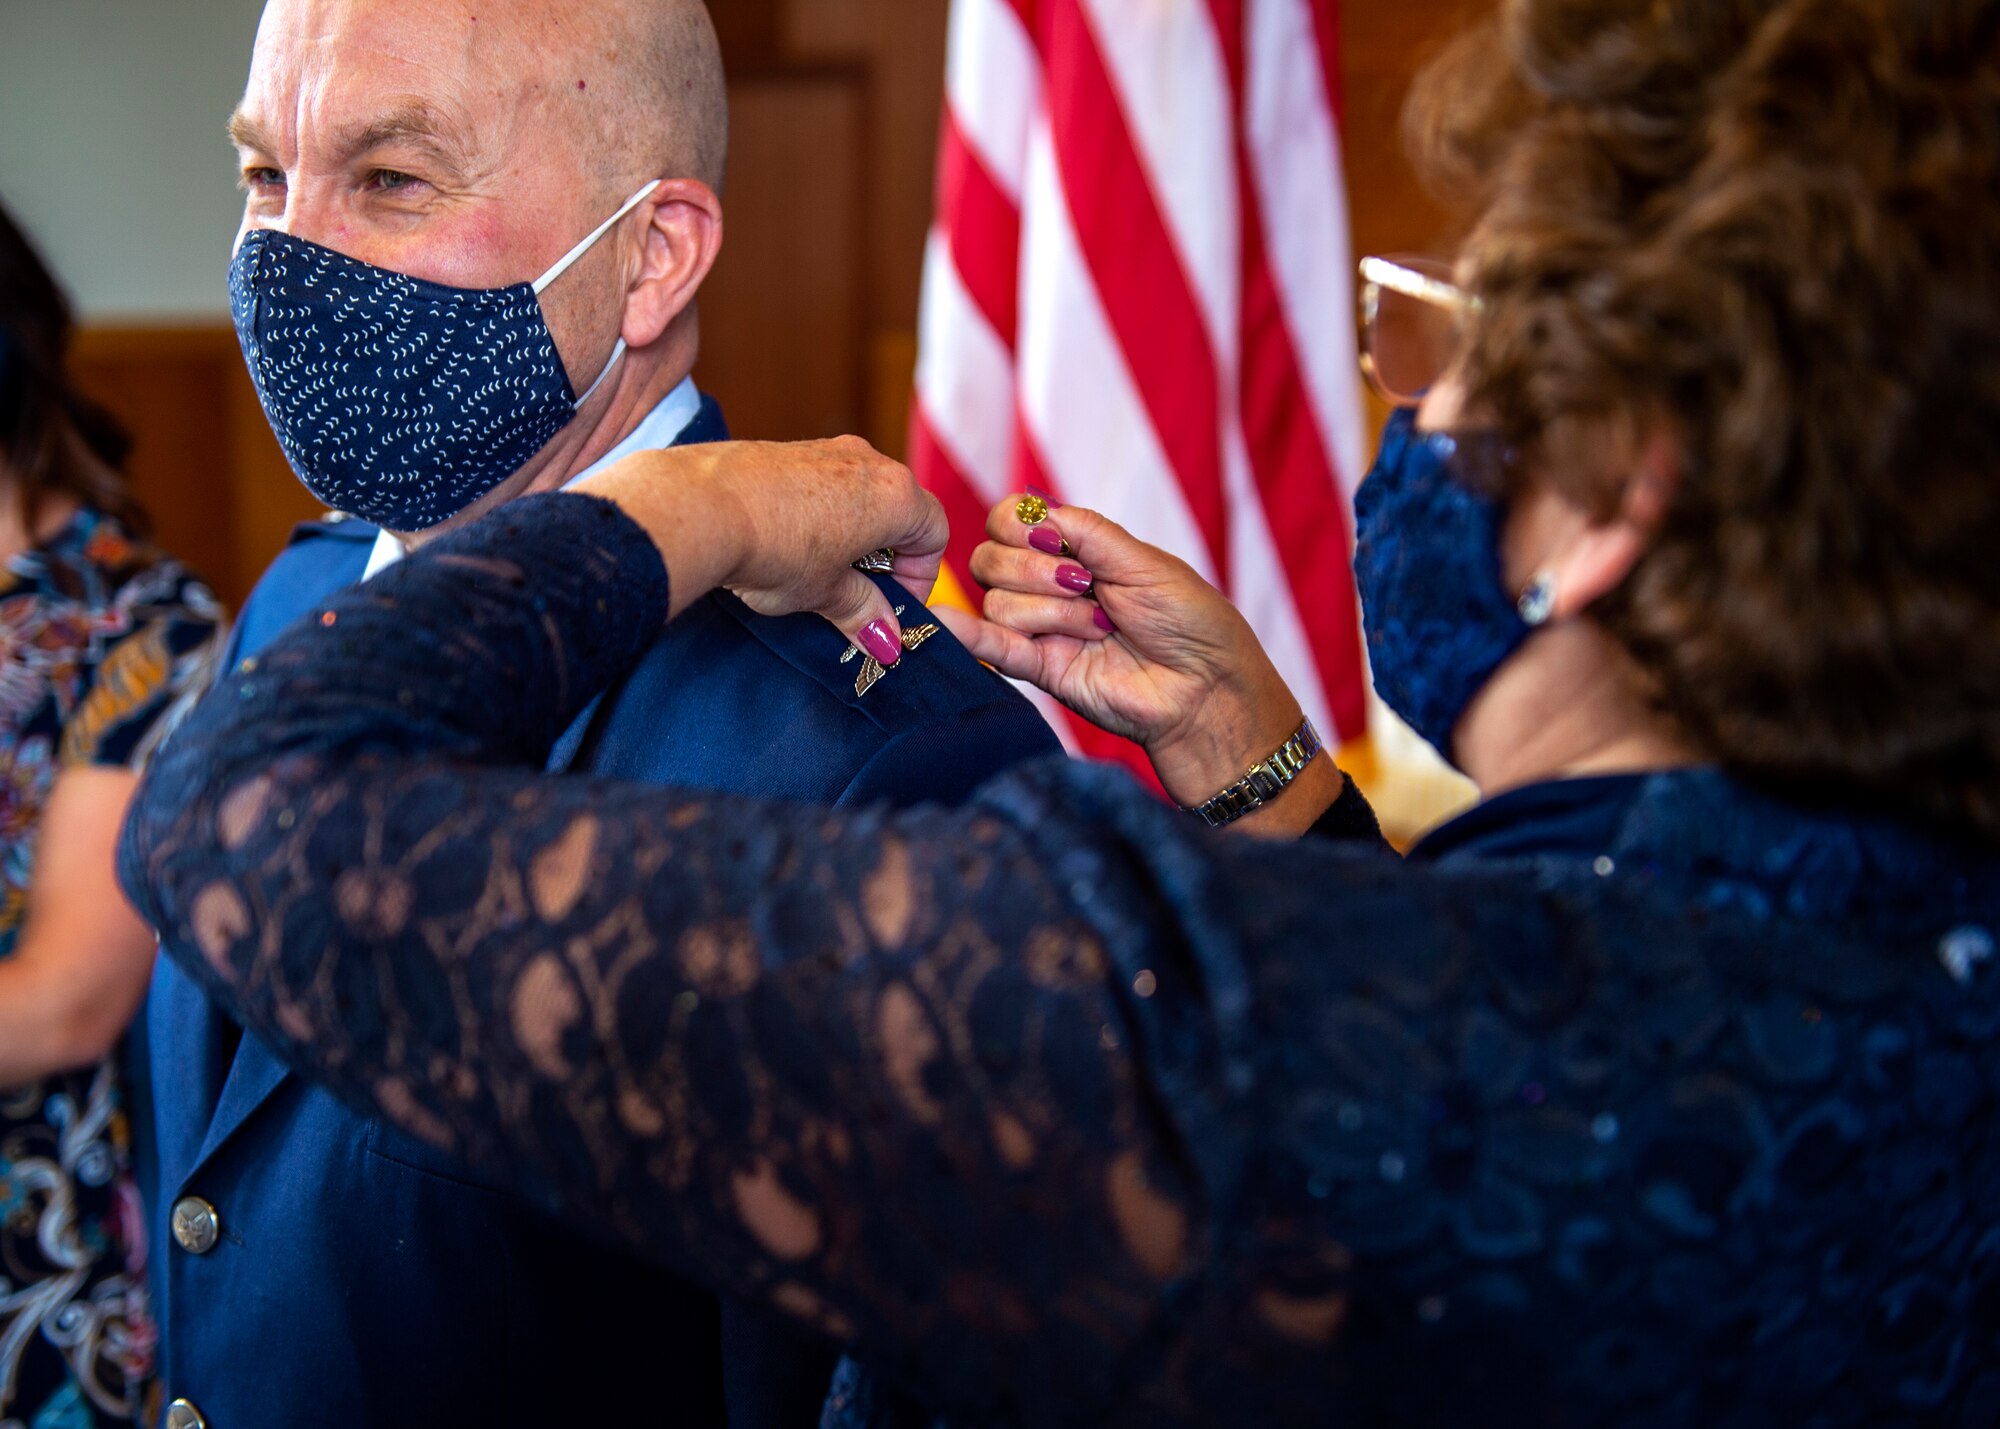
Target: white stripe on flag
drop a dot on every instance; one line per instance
(993, 82)
(1174, 90)
(1076, 395)
(1295, 159)
(965, 376)
(1259, 587)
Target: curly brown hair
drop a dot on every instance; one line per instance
(1770, 228)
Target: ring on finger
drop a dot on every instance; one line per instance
(881, 563)
(1049, 541)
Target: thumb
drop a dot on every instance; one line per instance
(1011, 653)
(859, 610)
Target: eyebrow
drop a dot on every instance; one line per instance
(246, 133)
(417, 124)
(421, 126)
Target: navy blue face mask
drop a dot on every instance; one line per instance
(1427, 563)
(398, 400)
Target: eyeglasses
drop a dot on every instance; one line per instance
(1412, 321)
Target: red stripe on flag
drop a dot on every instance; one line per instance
(1138, 275)
(1030, 471)
(1095, 743)
(983, 227)
(1293, 470)
(1326, 29)
(1230, 38)
(963, 506)
(1026, 10)
(1295, 476)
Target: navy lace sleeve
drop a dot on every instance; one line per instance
(1059, 1111)
(1350, 818)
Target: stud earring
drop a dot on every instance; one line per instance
(1538, 601)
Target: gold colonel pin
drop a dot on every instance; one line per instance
(872, 670)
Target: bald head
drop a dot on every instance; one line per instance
(667, 111)
(447, 140)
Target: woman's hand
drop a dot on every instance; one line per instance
(781, 525)
(1135, 641)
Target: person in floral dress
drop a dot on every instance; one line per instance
(100, 637)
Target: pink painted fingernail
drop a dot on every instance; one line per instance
(1075, 578)
(1046, 496)
(878, 640)
(1102, 621)
(1047, 540)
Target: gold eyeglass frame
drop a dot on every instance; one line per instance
(1378, 273)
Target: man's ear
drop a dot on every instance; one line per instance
(683, 236)
(1598, 556)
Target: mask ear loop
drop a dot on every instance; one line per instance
(563, 263)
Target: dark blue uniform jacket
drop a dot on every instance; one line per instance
(361, 1278)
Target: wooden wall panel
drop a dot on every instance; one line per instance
(900, 43)
(203, 460)
(751, 32)
(783, 315)
(1382, 46)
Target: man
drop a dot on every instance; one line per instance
(407, 169)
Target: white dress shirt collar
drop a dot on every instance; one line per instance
(658, 430)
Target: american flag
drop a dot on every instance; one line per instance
(1138, 295)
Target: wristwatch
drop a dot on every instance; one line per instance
(1267, 779)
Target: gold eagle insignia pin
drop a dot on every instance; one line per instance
(872, 670)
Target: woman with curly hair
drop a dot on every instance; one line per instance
(1662, 1088)
(99, 635)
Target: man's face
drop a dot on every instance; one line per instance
(444, 139)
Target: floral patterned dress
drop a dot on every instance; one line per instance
(100, 635)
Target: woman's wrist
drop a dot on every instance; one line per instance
(682, 500)
(1237, 725)
(782, 525)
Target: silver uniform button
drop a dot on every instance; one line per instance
(196, 1230)
(183, 1415)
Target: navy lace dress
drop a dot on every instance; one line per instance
(1059, 1110)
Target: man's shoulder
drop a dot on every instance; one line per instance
(937, 678)
(332, 542)
(320, 558)
(707, 426)
(937, 723)
(779, 706)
